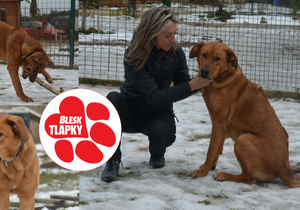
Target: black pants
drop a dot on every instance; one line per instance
(159, 127)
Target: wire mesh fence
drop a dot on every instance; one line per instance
(263, 33)
(46, 21)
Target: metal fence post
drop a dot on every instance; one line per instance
(71, 34)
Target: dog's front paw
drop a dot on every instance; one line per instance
(199, 173)
(47, 76)
(26, 99)
(49, 79)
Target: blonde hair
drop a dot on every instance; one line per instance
(153, 22)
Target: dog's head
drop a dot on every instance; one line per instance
(12, 131)
(35, 63)
(216, 60)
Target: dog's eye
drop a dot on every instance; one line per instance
(217, 59)
(1, 134)
(204, 55)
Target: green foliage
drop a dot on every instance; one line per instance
(89, 4)
(93, 82)
(295, 6)
(208, 2)
(33, 9)
(93, 30)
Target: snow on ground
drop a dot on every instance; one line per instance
(64, 78)
(143, 188)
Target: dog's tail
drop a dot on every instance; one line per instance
(290, 178)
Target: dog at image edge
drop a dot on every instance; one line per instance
(18, 49)
(19, 164)
(239, 108)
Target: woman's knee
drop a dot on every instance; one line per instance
(164, 134)
(114, 97)
(169, 140)
(119, 103)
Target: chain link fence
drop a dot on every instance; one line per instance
(46, 21)
(263, 33)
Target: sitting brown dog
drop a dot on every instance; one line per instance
(18, 49)
(238, 108)
(19, 164)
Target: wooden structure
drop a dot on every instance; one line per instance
(10, 11)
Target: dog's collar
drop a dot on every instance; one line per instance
(8, 163)
(24, 59)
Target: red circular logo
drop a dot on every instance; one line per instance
(80, 129)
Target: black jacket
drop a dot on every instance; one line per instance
(149, 88)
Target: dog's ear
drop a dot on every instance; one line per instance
(232, 58)
(196, 48)
(39, 59)
(23, 59)
(18, 127)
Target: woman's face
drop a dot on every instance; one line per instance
(166, 38)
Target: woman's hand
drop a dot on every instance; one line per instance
(198, 83)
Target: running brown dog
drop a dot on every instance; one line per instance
(19, 165)
(18, 49)
(238, 108)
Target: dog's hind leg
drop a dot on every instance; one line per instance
(235, 178)
(252, 159)
(289, 178)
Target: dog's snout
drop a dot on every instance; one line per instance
(31, 79)
(204, 72)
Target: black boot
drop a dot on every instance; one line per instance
(111, 171)
(157, 159)
(157, 162)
